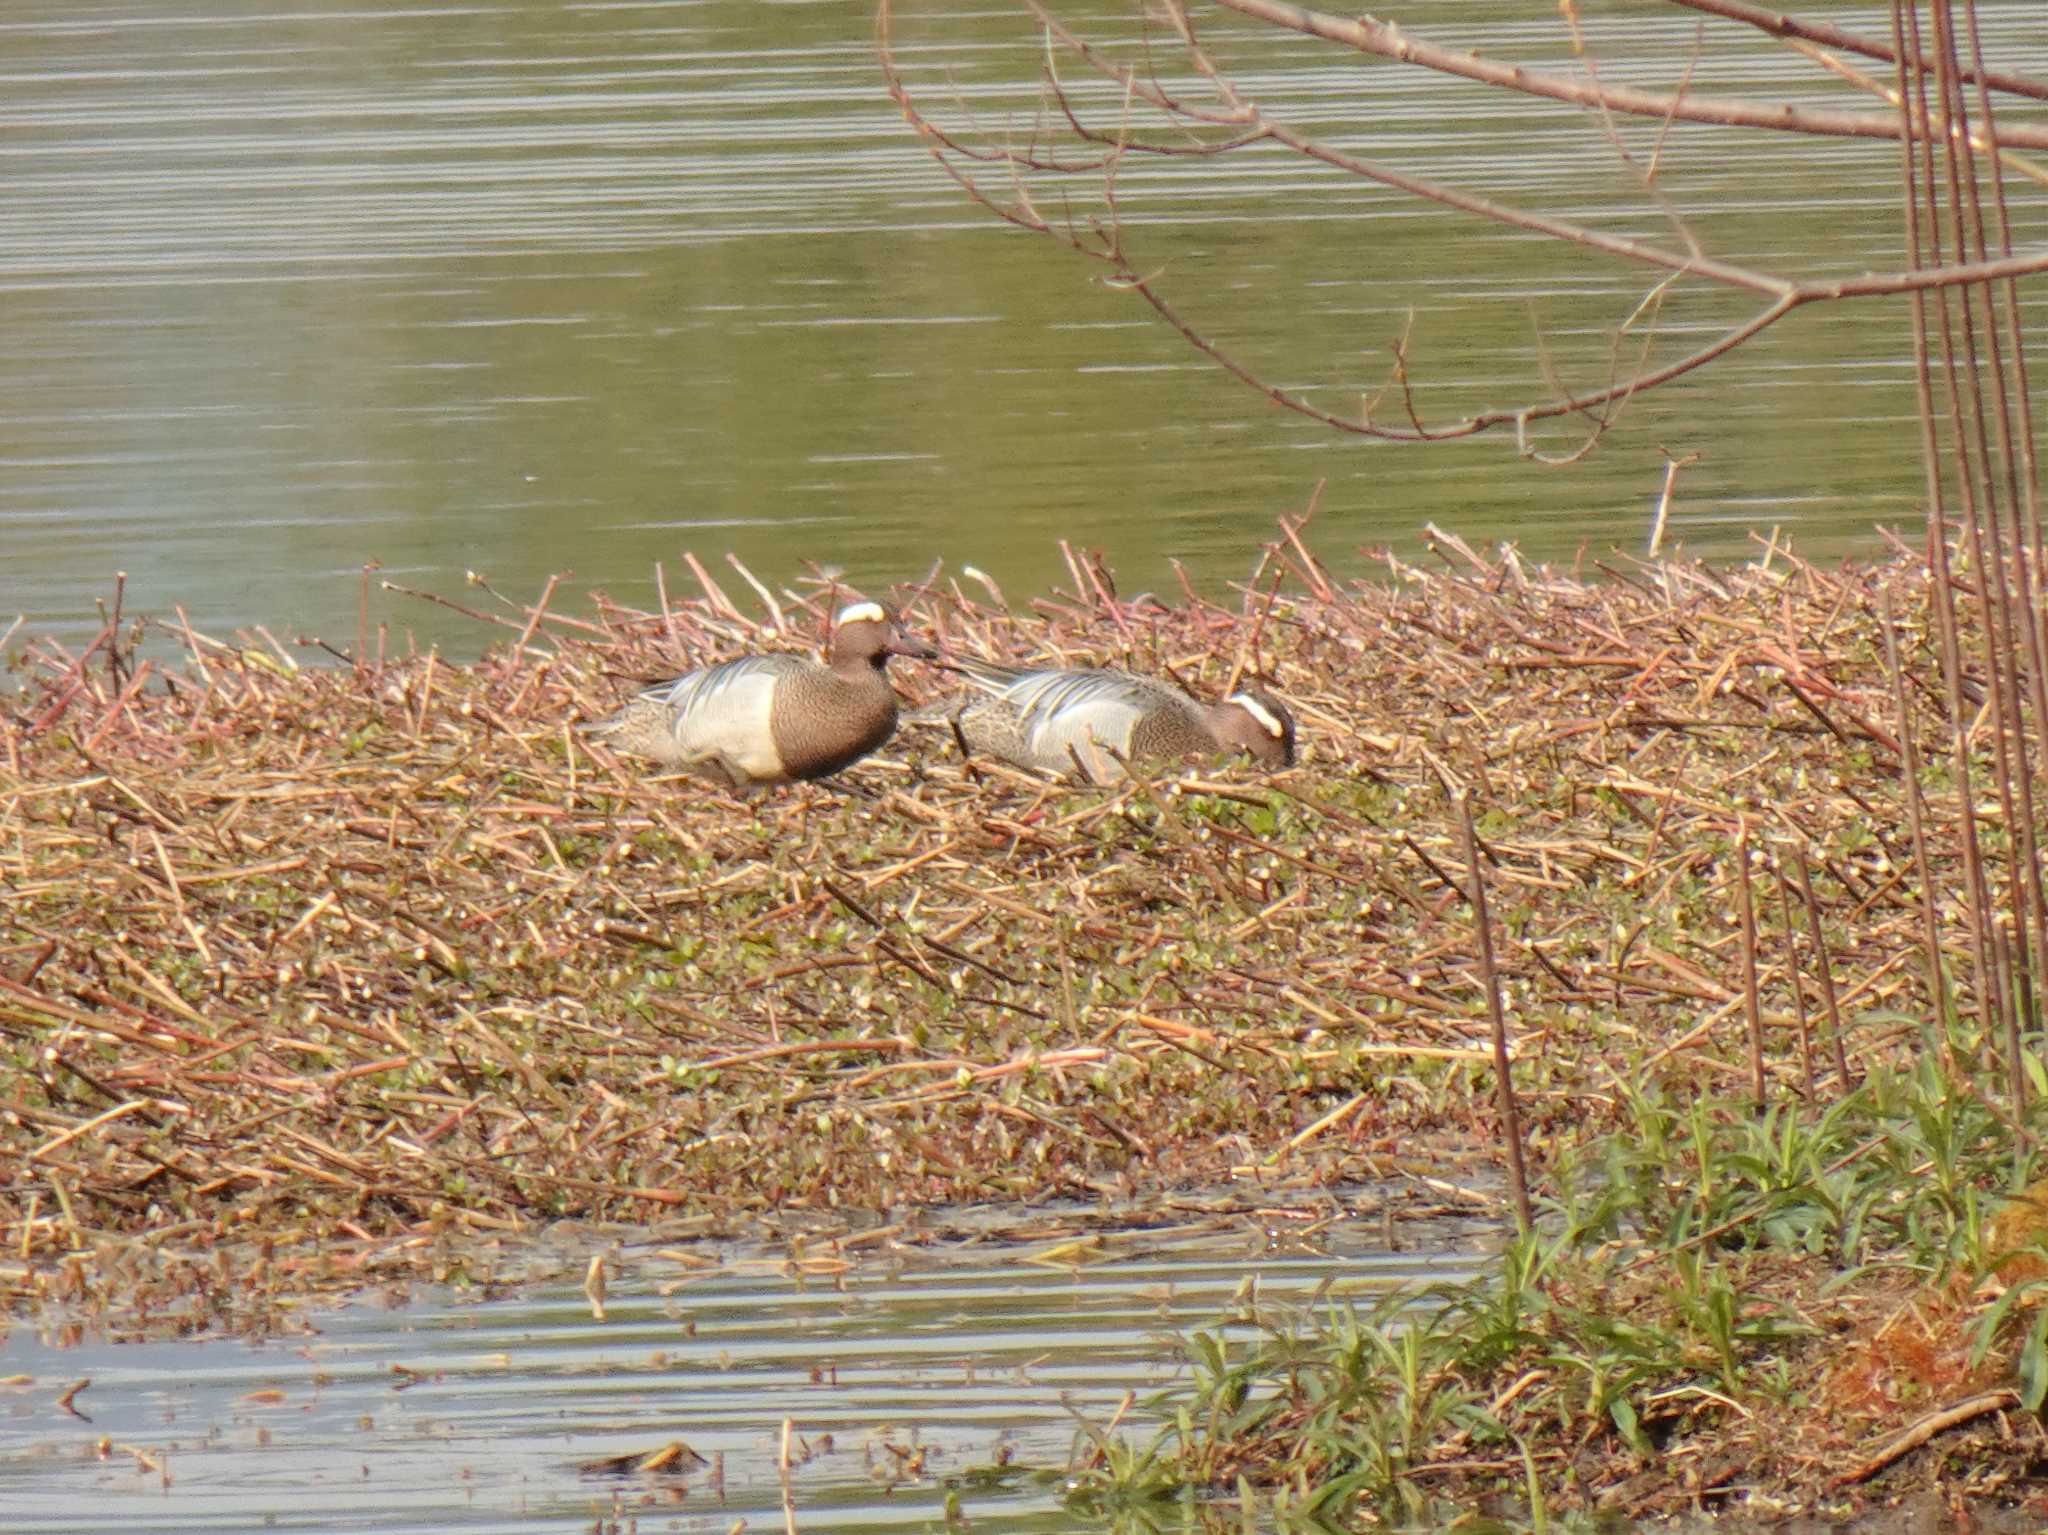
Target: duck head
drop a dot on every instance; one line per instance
(867, 634)
(1256, 723)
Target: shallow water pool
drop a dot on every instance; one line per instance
(451, 1411)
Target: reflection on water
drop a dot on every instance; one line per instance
(528, 287)
(487, 1414)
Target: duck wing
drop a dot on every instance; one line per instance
(730, 687)
(1067, 715)
(716, 713)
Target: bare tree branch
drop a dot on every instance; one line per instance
(1827, 35)
(1102, 237)
(1391, 42)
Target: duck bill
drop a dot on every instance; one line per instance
(903, 643)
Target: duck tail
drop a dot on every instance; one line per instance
(987, 676)
(641, 727)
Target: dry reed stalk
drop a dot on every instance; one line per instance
(1792, 978)
(1504, 1084)
(1745, 905)
(1823, 970)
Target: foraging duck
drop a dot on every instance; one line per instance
(771, 719)
(1057, 721)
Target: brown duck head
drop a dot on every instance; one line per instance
(1256, 723)
(866, 634)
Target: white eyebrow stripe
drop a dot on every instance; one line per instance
(862, 613)
(1258, 711)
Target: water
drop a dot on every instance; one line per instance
(451, 1413)
(528, 287)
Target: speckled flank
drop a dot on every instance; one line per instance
(640, 728)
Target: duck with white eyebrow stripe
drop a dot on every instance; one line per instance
(1094, 720)
(771, 719)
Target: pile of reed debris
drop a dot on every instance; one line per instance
(312, 974)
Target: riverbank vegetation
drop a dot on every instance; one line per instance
(1761, 847)
(318, 976)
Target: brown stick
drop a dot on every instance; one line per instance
(1823, 969)
(1510, 1115)
(1792, 977)
(1751, 1012)
(1926, 1428)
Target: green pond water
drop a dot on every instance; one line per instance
(528, 287)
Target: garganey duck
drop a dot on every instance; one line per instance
(1095, 720)
(770, 719)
